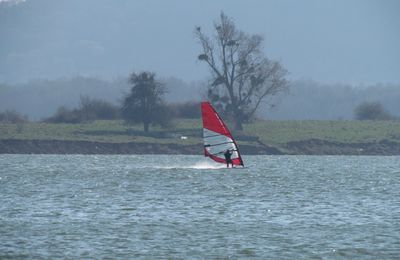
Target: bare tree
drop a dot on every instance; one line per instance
(242, 77)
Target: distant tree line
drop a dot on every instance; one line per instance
(306, 99)
(143, 104)
(88, 110)
(161, 112)
(95, 109)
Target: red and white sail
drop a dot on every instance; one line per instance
(216, 136)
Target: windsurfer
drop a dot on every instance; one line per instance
(228, 159)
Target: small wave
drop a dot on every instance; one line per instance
(199, 166)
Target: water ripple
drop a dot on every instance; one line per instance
(294, 207)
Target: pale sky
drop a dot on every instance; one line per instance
(345, 41)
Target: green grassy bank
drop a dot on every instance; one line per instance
(290, 137)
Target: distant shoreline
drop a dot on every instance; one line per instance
(14, 146)
(307, 147)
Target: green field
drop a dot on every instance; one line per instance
(281, 132)
(102, 131)
(275, 133)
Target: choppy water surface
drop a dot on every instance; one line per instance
(75, 206)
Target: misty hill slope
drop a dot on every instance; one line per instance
(41, 98)
(309, 100)
(306, 100)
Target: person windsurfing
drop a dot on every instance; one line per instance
(228, 159)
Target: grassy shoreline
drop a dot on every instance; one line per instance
(261, 137)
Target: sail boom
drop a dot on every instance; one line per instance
(218, 144)
(220, 153)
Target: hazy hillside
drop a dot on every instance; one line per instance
(311, 100)
(305, 100)
(41, 98)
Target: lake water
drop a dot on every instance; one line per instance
(279, 207)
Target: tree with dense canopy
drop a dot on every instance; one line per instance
(242, 77)
(372, 111)
(144, 104)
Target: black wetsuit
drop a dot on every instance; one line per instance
(228, 159)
